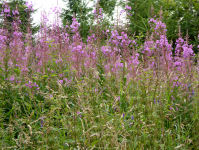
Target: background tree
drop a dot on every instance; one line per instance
(85, 16)
(139, 15)
(108, 7)
(183, 13)
(25, 14)
(82, 14)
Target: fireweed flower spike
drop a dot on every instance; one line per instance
(128, 7)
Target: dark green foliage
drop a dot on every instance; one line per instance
(183, 13)
(175, 13)
(74, 8)
(108, 7)
(141, 12)
(82, 14)
(25, 17)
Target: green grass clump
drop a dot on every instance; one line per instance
(99, 112)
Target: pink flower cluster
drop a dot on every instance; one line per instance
(98, 12)
(31, 85)
(29, 6)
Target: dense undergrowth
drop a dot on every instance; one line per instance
(58, 92)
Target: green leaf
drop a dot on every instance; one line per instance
(45, 76)
(53, 75)
(95, 142)
(66, 70)
(162, 146)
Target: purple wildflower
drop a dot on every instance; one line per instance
(128, 7)
(61, 81)
(42, 121)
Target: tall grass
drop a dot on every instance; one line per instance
(60, 93)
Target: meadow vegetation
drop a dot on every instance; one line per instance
(58, 92)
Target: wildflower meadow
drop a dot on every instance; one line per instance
(108, 92)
